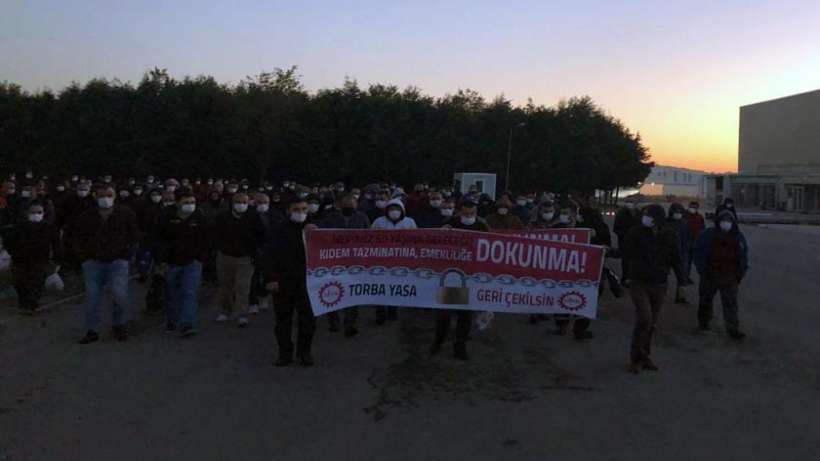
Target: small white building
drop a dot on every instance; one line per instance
(680, 182)
(484, 182)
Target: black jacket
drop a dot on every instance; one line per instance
(105, 240)
(283, 259)
(32, 243)
(479, 225)
(181, 241)
(336, 220)
(237, 236)
(652, 254)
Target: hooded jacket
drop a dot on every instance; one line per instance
(705, 244)
(383, 222)
(652, 252)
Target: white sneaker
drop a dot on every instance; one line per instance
(253, 309)
(222, 318)
(264, 305)
(242, 322)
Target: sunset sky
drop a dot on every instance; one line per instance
(674, 71)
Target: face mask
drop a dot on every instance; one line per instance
(150, 180)
(25, 194)
(262, 208)
(82, 193)
(647, 221)
(693, 210)
(35, 217)
(60, 188)
(356, 196)
(348, 210)
(240, 207)
(435, 203)
(298, 218)
(447, 212)
(29, 175)
(131, 182)
(725, 226)
(548, 216)
(170, 188)
(381, 204)
(730, 205)
(302, 194)
(210, 183)
(75, 178)
(503, 211)
(105, 202)
(185, 183)
(232, 190)
(520, 202)
(313, 207)
(187, 208)
(394, 215)
(327, 207)
(677, 216)
(12, 191)
(447, 193)
(107, 179)
(124, 194)
(156, 198)
(468, 221)
(564, 219)
(168, 203)
(137, 192)
(276, 199)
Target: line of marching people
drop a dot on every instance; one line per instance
(247, 242)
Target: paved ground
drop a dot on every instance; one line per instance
(526, 395)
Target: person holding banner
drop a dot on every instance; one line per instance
(567, 218)
(345, 216)
(468, 220)
(652, 249)
(284, 266)
(394, 218)
(502, 218)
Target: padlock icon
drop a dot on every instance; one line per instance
(453, 288)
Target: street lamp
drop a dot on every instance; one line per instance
(509, 154)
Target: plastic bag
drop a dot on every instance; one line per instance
(5, 260)
(483, 319)
(54, 282)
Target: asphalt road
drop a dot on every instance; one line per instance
(525, 394)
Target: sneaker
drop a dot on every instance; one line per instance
(264, 305)
(283, 362)
(91, 336)
(351, 332)
(187, 332)
(649, 365)
(738, 335)
(242, 322)
(253, 309)
(222, 318)
(120, 333)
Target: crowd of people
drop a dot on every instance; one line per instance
(247, 242)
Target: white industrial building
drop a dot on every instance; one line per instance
(678, 182)
(778, 157)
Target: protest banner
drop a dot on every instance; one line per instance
(569, 235)
(451, 269)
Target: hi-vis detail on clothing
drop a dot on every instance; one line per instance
(453, 269)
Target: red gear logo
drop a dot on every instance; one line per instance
(572, 301)
(331, 294)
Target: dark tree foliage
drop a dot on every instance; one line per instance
(269, 127)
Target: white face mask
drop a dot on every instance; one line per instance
(82, 193)
(647, 221)
(240, 207)
(725, 226)
(169, 203)
(730, 206)
(298, 218)
(381, 204)
(105, 202)
(693, 210)
(435, 203)
(124, 194)
(25, 194)
(521, 202)
(156, 198)
(187, 208)
(579, 218)
(35, 217)
(503, 211)
(313, 207)
(60, 188)
(262, 208)
(548, 216)
(395, 215)
(468, 221)
(677, 216)
(447, 212)
(564, 219)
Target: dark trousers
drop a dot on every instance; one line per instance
(257, 290)
(285, 308)
(209, 272)
(386, 312)
(349, 315)
(28, 280)
(580, 325)
(624, 259)
(464, 320)
(648, 300)
(728, 298)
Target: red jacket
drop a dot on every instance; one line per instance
(696, 224)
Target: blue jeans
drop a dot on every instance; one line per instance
(183, 283)
(98, 274)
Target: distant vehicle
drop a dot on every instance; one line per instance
(484, 182)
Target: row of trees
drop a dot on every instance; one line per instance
(270, 127)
